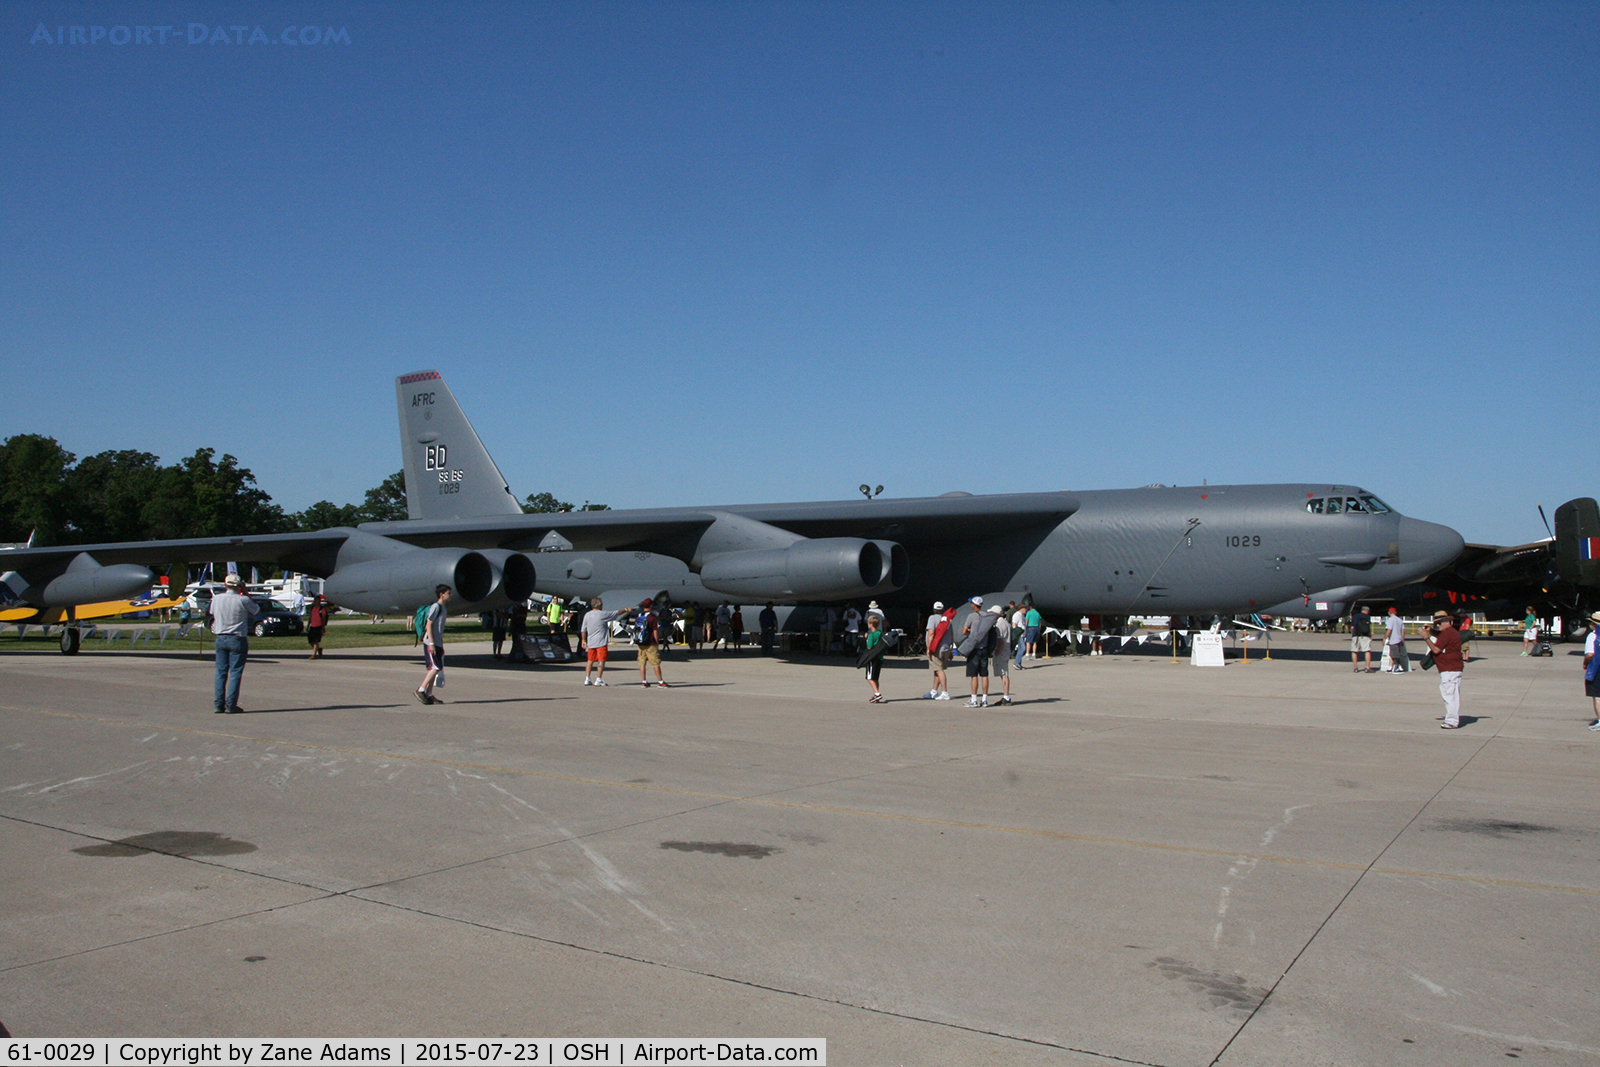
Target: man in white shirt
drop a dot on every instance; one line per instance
(1395, 639)
(230, 612)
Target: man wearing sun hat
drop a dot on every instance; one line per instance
(1445, 645)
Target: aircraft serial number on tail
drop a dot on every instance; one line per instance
(1245, 541)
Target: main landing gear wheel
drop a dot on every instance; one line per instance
(69, 640)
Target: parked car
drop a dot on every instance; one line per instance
(274, 619)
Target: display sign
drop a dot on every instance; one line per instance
(1206, 650)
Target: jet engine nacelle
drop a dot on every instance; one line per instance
(826, 568)
(86, 582)
(514, 579)
(377, 575)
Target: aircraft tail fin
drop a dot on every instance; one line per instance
(449, 474)
(1578, 542)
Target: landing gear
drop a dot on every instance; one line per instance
(70, 638)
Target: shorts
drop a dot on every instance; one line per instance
(598, 654)
(977, 665)
(650, 654)
(434, 656)
(1000, 666)
(314, 634)
(1530, 635)
(939, 660)
(1591, 689)
(1360, 644)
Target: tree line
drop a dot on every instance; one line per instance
(124, 495)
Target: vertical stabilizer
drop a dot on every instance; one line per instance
(1578, 542)
(449, 474)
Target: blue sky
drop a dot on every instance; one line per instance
(800, 246)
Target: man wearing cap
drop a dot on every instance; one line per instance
(1591, 667)
(976, 630)
(940, 641)
(647, 635)
(1395, 640)
(1000, 662)
(1445, 644)
(230, 621)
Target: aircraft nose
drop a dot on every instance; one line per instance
(1427, 546)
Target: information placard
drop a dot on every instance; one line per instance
(1206, 650)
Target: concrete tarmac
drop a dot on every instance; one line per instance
(1138, 862)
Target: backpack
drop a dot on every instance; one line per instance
(641, 628)
(992, 641)
(419, 623)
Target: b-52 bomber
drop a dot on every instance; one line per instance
(1301, 550)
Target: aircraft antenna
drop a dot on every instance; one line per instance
(1551, 532)
(1193, 525)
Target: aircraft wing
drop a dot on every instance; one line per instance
(912, 522)
(257, 548)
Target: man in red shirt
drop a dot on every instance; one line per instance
(1445, 643)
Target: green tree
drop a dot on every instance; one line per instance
(544, 504)
(200, 497)
(324, 514)
(111, 497)
(387, 501)
(33, 493)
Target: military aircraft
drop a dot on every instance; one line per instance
(1278, 549)
(1289, 550)
(1559, 576)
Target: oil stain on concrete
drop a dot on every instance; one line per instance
(724, 848)
(1222, 990)
(170, 843)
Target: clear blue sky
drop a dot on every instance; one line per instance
(799, 246)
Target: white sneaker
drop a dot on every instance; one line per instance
(972, 703)
(1594, 725)
(588, 681)
(599, 681)
(942, 696)
(983, 702)
(932, 694)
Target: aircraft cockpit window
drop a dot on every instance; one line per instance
(1335, 505)
(1354, 506)
(1376, 506)
(1314, 506)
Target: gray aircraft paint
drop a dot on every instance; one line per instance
(1178, 550)
(449, 474)
(1157, 550)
